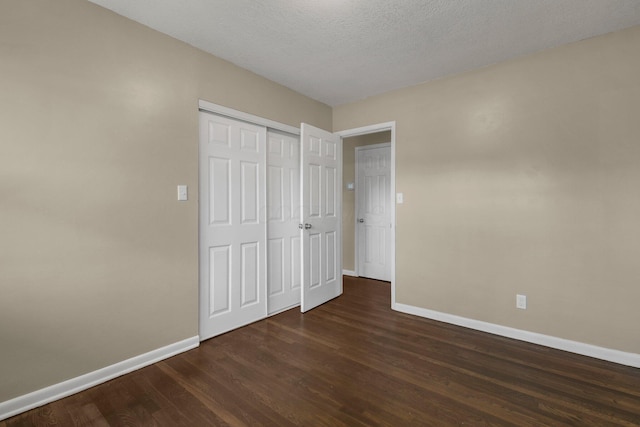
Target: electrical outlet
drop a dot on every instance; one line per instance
(521, 302)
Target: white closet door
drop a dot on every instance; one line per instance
(321, 200)
(284, 253)
(374, 212)
(232, 224)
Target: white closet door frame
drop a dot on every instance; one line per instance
(381, 127)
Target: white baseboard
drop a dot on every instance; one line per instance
(49, 394)
(349, 273)
(616, 356)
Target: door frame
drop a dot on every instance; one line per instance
(375, 128)
(356, 236)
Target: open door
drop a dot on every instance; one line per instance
(321, 187)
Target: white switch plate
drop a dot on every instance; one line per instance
(521, 302)
(399, 198)
(182, 193)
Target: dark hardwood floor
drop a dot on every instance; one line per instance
(355, 362)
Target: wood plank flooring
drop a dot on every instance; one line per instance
(355, 362)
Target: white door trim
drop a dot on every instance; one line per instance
(380, 127)
(372, 146)
(240, 115)
(391, 203)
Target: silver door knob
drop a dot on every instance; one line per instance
(307, 226)
(360, 219)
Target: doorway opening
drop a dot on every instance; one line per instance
(354, 207)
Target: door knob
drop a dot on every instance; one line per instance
(307, 226)
(360, 219)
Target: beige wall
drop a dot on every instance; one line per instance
(348, 197)
(98, 124)
(523, 177)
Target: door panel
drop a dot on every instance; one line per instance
(250, 272)
(315, 191)
(321, 208)
(374, 212)
(219, 173)
(330, 248)
(283, 211)
(276, 258)
(296, 264)
(250, 191)
(315, 259)
(220, 265)
(232, 224)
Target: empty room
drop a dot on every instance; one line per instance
(337, 213)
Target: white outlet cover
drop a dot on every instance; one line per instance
(521, 302)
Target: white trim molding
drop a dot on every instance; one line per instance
(611, 355)
(349, 273)
(55, 392)
(380, 127)
(241, 115)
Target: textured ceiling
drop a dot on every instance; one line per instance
(339, 51)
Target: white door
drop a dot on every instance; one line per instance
(232, 224)
(321, 212)
(373, 214)
(284, 251)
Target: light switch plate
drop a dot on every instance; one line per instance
(399, 198)
(182, 193)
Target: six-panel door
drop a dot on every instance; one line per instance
(284, 252)
(321, 214)
(232, 224)
(374, 212)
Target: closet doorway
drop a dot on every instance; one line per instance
(270, 218)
